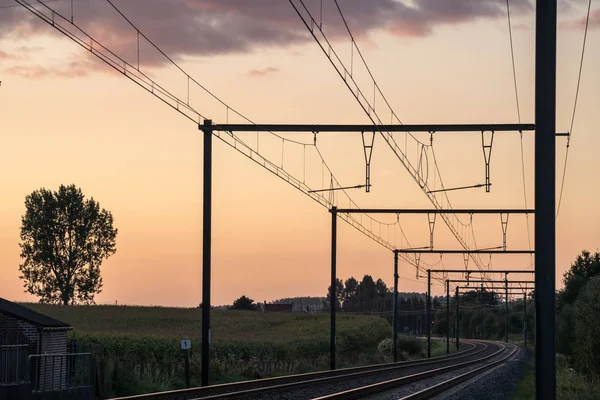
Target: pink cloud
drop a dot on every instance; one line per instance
(39, 72)
(579, 23)
(262, 72)
(520, 27)
(192, 28)
(74, 67)
(18, 56)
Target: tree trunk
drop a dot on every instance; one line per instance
(65, 298)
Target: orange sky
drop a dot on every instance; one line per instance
(143, 161)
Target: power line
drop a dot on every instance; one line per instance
(185, 107)
(514, 70)
(562, 185)
(18, 5)
(370, 110)
(339, 186)
(512, 53)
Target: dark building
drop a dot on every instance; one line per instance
(21, 325)
(33, 350)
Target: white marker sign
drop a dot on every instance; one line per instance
(186, 344)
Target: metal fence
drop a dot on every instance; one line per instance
(13, 364)
(14, 372)
(64, 376)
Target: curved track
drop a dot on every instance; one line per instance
(411, 383)
(316, 384)
(456, 380)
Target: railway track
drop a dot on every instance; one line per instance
(428, 384)
(452, 382)
(314, 384)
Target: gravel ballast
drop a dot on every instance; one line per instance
(323, 389)
(427, 383)
(497, 384)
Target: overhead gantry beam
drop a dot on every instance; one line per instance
(487, 281)
(475, 251)
(514, 290)
(495, 271)
(431, 211)
(428, 128)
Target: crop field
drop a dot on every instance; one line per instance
(137, 348)
(185, 323)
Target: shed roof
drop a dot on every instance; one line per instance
(33, 317)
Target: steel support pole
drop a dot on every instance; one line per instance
(506, 314)
(481, 315)
(395, 309)
(534, 325)
(332, 291)
(206, 251)
(457, 320)
(525, 319)
(545, 198)
(428, 305)
(448, 316)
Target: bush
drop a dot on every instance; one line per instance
(355, 339)
(586, 343)
(565, 324)
(411, 346)
(385, 347)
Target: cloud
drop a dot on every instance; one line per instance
(17, 56)
(39, 72)
(74, 67)
(203, 28)
(262, 72)
(520, 27)
(579, 23)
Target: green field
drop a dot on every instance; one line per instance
(185, 323)
(137, 348)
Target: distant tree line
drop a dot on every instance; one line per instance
(302, 303)
(494, 318)
(373, 296)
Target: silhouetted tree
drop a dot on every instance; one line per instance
(339, 293)
(244, 303)
(350, 299)
(366, 293)
(585, 267)
(64, 238)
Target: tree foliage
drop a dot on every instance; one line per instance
(373, 296)
(64, 239)
(244, 303)
(586, 343)
(585, 267)
(578, 306)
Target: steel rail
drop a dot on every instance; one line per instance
(228, 390)
(359, 393)
(450, 383)
(327, 380)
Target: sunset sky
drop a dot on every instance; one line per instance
(66, 117)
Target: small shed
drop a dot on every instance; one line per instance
(33, 349)
(22, 325)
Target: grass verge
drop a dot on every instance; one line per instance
(570, 385)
